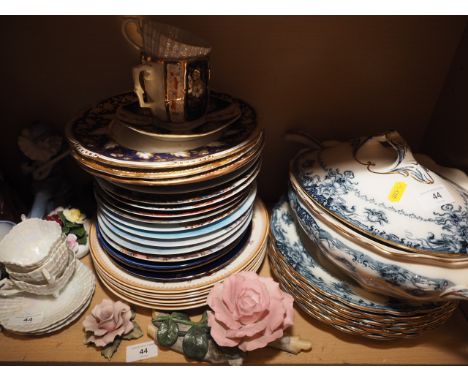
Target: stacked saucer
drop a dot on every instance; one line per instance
(46, 288)
(175, 218)
(327, 295)
(29, 314)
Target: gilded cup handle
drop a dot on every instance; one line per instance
(139, 85)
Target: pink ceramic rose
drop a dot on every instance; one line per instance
(107, 321)
(72, 242)
(249, 311)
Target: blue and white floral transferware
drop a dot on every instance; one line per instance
(288, 242)
(399, 278)
(375, 186)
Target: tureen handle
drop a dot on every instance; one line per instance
(390, 154)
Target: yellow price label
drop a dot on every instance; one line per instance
(397, 192)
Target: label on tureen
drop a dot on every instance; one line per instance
(26, 318)
(141, 351)
(375, 185)
(438, 194)
(397, 191)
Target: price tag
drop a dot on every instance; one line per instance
(26, 319)
(141, 351)
(397, 191)
(438, 194)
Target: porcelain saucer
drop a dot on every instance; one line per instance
(87, 135)
(51, 311)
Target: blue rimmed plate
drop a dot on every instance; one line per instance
(209, 247)
(87, 135)
(177, 243)
(169, 216)
(181, 265)
(179, 270)
(181, 202)
(180, 230)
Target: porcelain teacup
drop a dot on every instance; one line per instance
(175, 90)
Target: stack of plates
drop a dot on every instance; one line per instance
(337, 300)
(180, 292)
(172, 223)
(234, 151)
(29, 314)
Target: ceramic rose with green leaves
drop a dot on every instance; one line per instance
(247, 312)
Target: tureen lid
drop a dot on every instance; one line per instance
(375, 185)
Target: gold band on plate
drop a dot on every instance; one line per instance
(273, 254)
(314, 305)
(164, 173)
(259, 235)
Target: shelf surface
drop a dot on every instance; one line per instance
(446, 345)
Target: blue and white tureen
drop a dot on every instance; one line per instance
(375, 186)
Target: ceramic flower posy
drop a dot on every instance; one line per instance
(109, 323)
(72, 221)
(248, 311)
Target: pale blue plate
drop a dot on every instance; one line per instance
(207, 248)
(178, 231)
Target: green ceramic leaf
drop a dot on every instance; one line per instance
(135, 333)
(82, 240)
(110, 349)
(78, 231)
(167, 333)
(195, 343)
(180, 316)
(63, 218)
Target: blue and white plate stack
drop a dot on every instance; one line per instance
(360, 245)
(170, 224)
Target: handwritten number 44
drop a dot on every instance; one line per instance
(143, 351)
(436, 195)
